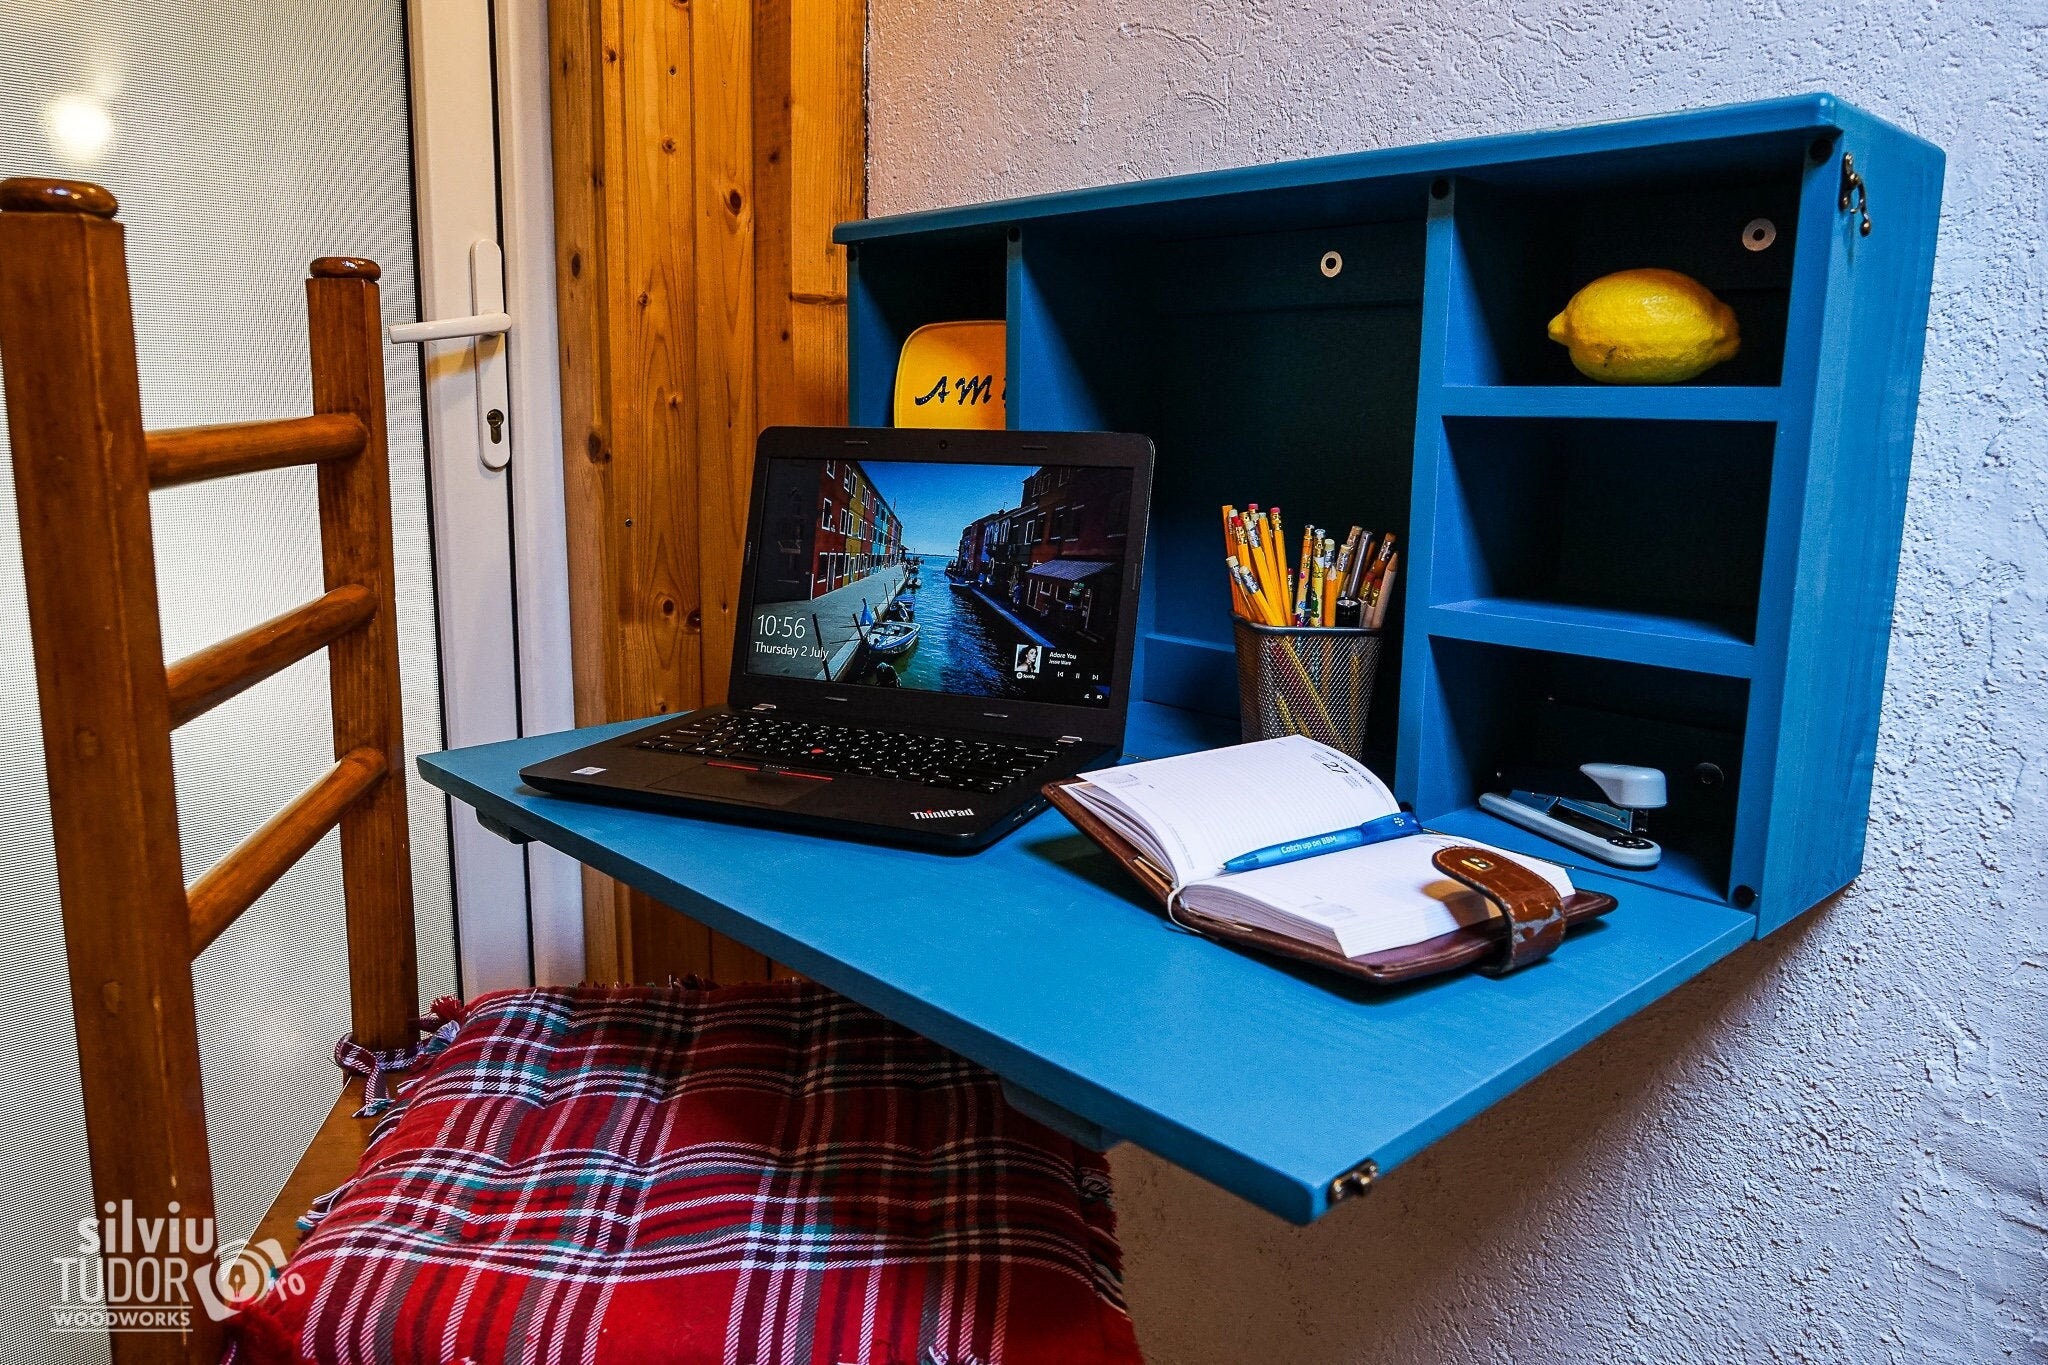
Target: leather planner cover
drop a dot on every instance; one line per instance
(1533, 922)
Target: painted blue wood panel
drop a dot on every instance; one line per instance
(1648, 402)
(1040, 959)
(1598, 632)
(1867, 342)
(1710, 139)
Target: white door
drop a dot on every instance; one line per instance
(242, 142)
(486, 247)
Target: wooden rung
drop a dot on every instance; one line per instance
(218, 898)
(193, 454)
(199, 682)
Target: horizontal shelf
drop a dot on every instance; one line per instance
(1596, 632)
(1637, 402)
(1678, 872)
(1041, 960)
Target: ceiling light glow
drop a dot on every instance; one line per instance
(79, 128)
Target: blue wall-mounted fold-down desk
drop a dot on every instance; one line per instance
(1696, 576)
(1041, 960)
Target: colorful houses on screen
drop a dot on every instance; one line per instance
(829, 536)
(1058, 555)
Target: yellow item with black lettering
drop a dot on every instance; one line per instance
(952, 374)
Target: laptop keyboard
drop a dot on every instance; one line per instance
(821, 747)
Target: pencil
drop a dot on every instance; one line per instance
(1308, 534)
(1329, 617)
(1269, 611)
(1280, 555)
(1386, 590)
(1359, 564)
(1384, 554)
(1349, 554)
(1240, 540)
(1255, 539)
(1269, 559)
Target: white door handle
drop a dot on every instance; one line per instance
(447, 329)
(486, 329)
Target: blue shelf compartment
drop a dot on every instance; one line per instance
(1644, 539)
(1526, 239)
(1220, 336)
(892, 291)
(1483, 711)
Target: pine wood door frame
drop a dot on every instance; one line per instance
(703, 149)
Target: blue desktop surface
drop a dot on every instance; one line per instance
(1040, 959)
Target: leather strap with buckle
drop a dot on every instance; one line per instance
(1535, 919)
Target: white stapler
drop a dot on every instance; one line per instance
(1603, 818)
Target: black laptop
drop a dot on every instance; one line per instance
(932, 624)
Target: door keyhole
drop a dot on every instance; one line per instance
(496, 419)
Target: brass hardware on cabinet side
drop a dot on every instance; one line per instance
(1855, 190)
(1356, 1182)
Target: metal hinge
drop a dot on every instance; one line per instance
(1855, 191)
(1356, 1182)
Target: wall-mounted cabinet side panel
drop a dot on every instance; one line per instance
(1866, 390)
(1814, 265)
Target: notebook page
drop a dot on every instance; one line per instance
(1361, 900)
(1204, 808)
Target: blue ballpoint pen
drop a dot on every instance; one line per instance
(1371, 832)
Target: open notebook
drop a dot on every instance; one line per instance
(1187, 815)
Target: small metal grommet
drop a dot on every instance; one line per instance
(1355, 1182)
(1758, 234)
(1332, 265)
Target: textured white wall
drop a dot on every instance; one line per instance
(1831, 1147)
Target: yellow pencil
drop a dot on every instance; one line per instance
(1281, 580)
(1240, 540)
(1264, 610)
(1237, 602)
(1271, 576)
(1308, 538)
(1238, 605)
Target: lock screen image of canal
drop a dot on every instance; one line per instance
(962, 646)
(974, 580)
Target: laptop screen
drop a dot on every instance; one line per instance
(977, 580)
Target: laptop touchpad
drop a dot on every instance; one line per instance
(719, 783)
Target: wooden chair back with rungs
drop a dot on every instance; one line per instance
(83, 469)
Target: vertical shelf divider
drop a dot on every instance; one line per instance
(1420, 764)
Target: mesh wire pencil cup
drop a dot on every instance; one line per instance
(1314, 681)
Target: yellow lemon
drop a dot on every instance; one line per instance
(1646, 327)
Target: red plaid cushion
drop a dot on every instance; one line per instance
(758, 1175)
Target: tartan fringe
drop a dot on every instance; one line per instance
(377, 1067)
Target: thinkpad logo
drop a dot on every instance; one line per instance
(940, 814)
